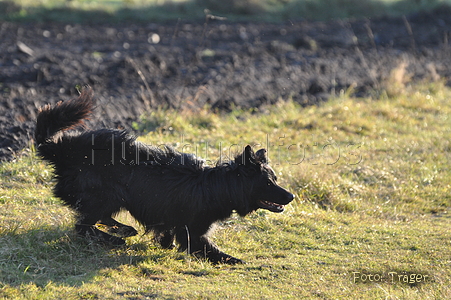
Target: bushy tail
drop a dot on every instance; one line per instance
(62, 116)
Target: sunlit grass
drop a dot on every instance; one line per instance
(372, 182)
(244, 10)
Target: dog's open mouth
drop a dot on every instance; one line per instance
(271, 206)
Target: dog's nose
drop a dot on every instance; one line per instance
(291, 197)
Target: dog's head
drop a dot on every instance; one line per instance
(264, 191)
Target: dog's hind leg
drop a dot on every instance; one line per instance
(99, 236)
(86, 228)
(94, 204)
(115, 227)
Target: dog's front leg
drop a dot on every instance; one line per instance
(202, 247)
(211, 252)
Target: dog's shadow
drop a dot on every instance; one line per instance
(59, 256)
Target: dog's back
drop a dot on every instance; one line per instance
(101, 147)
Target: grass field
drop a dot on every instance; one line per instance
(94, 11)
(371, 219)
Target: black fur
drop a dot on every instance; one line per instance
(174, 195)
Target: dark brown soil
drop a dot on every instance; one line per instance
(134, 68)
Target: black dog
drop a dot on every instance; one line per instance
(172, 194)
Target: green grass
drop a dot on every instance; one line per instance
(90, 11)
(372, 181)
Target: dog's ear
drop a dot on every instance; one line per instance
(261, 156)
(247, 157)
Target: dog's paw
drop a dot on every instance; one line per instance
(232, 261)
(223, 258)
(122, 231)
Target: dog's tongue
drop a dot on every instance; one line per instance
(271, 206)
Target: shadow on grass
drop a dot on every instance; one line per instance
(54, 255)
